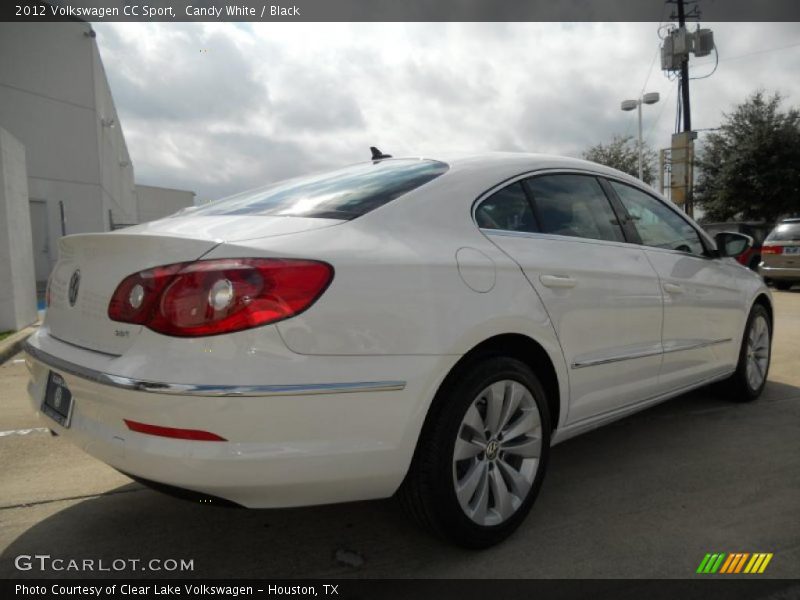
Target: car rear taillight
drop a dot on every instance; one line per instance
(210, 297)
(771, 249)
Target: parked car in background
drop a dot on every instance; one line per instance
(780, 255)
(414, 326)
(755, 229)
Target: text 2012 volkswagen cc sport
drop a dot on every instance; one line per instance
(413, 326)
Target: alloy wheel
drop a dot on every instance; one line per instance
(757, 352)
(496, 455)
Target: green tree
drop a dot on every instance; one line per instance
(622, 153)
(750, 167)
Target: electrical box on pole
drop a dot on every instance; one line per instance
(702, 42)
(680, 43)
(668, 60)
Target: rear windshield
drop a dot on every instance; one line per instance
(785, 232)
(343, 194)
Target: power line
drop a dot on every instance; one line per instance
(716, 64)
(755, 53)
(660, 112)
(650, 70)
(658, 51)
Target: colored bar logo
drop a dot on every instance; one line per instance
(736, 562)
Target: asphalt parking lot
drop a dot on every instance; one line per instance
(648, 496)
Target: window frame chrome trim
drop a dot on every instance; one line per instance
(184, 389)
(705, 239)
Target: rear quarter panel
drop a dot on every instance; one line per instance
(398, 289)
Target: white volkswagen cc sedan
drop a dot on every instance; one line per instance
(426, 327)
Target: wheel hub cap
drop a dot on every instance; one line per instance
(492, 449)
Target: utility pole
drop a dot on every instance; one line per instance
(688, 205)
(675, 51)
(687, 112)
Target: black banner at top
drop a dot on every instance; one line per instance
(396, 10)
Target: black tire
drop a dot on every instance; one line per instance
(783, 285)
(737, 387)
(428, 491)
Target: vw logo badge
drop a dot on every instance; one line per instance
(492, 448)
(74, 285)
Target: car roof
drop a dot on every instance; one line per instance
(497, 164)
(483, 171)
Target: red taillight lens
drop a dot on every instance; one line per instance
(770, 249)
(219, 296)
(136, 298)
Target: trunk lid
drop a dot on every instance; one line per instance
(94, 264)
(90, 268)
(230, 228)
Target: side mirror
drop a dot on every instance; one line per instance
(732, 244)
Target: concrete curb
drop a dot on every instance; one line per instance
(13, 343)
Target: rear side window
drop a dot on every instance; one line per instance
(785, 232)
(342, 194)
(574, 205)
(507, 209)
(657, 224)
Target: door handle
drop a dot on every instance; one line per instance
(556, 281)
(673, 288)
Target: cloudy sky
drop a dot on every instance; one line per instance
(220, 107)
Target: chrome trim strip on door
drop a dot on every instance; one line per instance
(185, 389)
(676, 347)
(579, 364)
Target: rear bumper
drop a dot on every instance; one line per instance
(286, 444)
(789, 274)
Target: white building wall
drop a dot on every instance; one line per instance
(158, 202)
(47, 101)
(17, 285)
(55, 99)
(116, 169)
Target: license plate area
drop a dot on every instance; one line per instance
(791, 250)
(58, 400)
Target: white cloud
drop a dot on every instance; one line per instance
(220, 107)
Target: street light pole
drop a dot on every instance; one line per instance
(639, 103)
(626, 105)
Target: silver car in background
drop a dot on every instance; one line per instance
(780, 255)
